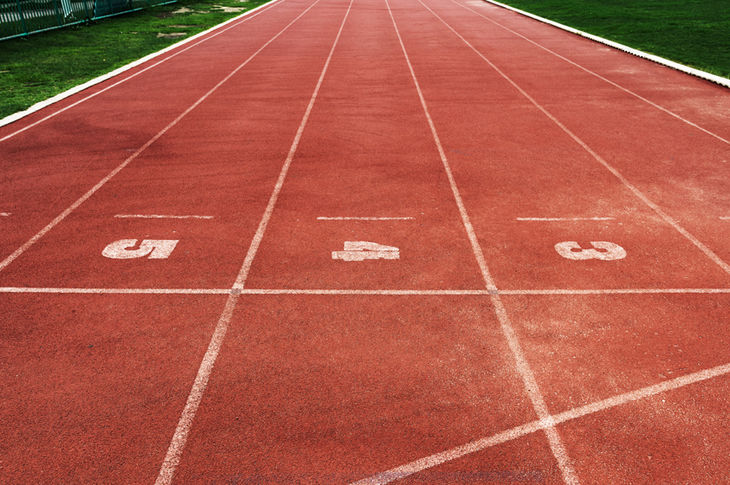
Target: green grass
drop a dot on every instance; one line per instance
(39, 66)
(693, 32)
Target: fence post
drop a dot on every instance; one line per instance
(22, 17)
(59, 19)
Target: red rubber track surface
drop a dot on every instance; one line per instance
(472, 139)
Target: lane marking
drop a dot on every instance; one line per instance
(365, 218)
(668, 219)
(533, 426)
(158, 216)
(362, 250)
(179, 438)
(119, 291)
(601, 250)
(528, 379)
(716, 79)
(4, 214)
(725, 218)
(616, 291)
(551, 219)
(406, 292)
(59, 97)
(4, 264)
(149, 248)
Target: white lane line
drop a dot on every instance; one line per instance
(100, 79)
(519, 431)
(119, 291)
(616, 85)
(158, 216)
(363, 292)
(4, 214)
(126, 162)
(617, 291)
(523, 367)
(406, 292)
(258, 237)
(177, 444)
(725, 218)
(668, 219)
(365, 218)
(551, 219)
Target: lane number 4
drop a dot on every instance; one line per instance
(602, 250)
(362, 250)
(150, 248)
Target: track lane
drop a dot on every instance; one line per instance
(220, 161)
(92, 384)
(675, 166)
(700, 102)
(511, 161)
(49, 166)
(317, 389)
(367, 151)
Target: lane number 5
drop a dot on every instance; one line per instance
(603, 250)
(152, 248)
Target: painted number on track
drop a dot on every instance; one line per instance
(150, 248)
(603, 250)
(362, 250)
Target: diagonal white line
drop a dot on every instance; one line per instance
(132, 157)
(177, 444)
(640, 195)
(616, 85)
(246, 17)
(523, 367)
(519, 431)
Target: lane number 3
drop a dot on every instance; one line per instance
(602, 250)
(150, 248)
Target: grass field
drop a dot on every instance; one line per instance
(39, 66)
(693, 32)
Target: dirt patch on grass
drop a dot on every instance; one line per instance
(171, 35)
(229, 9)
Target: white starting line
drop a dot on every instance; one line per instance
(552, 219)
(159, 216)
(395, 292)
(352, 218)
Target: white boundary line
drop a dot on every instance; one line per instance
(593, 73)
(532, 389)
(531, 427)
(118, 291)
(4, 263)
(640, 195)
(158, 216)
(81, 87)
(553, 219)
(179, 438)
(629, 50)
(725, 218)
(364, 218)
(396, 292)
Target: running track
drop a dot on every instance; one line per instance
(475, 141)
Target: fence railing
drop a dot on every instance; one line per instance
(23, 17)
